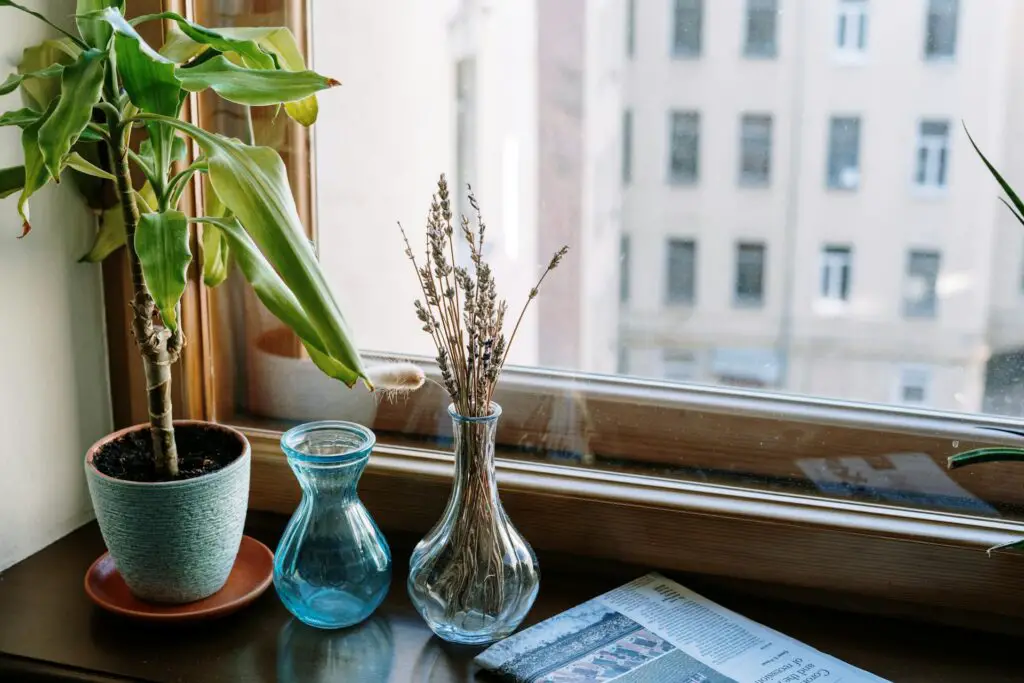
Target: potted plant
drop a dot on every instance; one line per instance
(473, 577)
(998, 453)
(170, 497)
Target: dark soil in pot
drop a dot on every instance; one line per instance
(202, 449)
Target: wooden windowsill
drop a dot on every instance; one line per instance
(49, 630)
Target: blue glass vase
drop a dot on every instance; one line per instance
(332, 567)
(473, 577)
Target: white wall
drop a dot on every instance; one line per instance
(54, 393)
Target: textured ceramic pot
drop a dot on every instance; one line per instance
(173, 541)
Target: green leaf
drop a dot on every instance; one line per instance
(277, 297)
(40, 17)
(281, 43)
(36, 175)
(14, 80)
(982, 455)
(254, 87)
(179, 48)
(216, 253)
(147, 76)
(95, 33)
(161, 241)
(251, 53)
(80, 87)
(253, 185)
(39, 92)
(19, 117)
(82, 165)
(1017, 203)
(11, 180)
(109, 237)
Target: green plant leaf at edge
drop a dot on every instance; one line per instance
(161, 240)
(1017, 203)
(36, 175)
(253, 184)
(80, 88)
(250, 51)
(253, 87)
(11, 180)
(277, 297)
(12, 82)
(110, 236)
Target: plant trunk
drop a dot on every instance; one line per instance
(158, 347)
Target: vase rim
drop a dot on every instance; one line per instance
(456, 415)
(360, 449)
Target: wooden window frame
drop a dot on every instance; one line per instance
(913, 561)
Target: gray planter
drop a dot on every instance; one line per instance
(172, 541)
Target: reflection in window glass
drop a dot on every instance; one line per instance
(680, 366)
(941, 30)
(687, 27)
(627, 146)
(624, 269)
(914, 385)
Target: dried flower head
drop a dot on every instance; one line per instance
(460, 308)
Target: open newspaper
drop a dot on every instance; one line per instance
(653, 630)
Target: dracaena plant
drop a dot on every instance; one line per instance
(114, 90)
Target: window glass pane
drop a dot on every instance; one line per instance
(687, 27)
(852, 26)
(755, 149)
(630, 28)
(685, 147)
(537, 106)
(750, 274)
(762, 19)
(844, 153)
(682, 262)
(941, 30)
(627, 146)
(921, 297)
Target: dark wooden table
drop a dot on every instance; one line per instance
(49, 631)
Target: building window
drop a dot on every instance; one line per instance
(836, 273)
(755, 149)
(932, 154)
(630, 28)
(686, 28)
(844, 153)
(749, 274)
(684, 147)
(678, 366)
(622, 360)
(627, 146)
(921, 299)
(624, 269)
(915, 383)
(852, 26)
(941, 29)
(682, 267)
(762, 20)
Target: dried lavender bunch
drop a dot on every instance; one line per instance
(460, 308)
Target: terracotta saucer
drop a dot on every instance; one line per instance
(249, 578)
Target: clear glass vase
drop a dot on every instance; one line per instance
(332, 567)
(473, 578)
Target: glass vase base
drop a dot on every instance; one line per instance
(450, 631)
(327, 608)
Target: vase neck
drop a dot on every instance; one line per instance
(474, 451)
(337, 481)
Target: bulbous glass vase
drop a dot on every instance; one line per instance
(332, 567)
(473, 578)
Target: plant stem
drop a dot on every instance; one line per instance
(153, 343)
